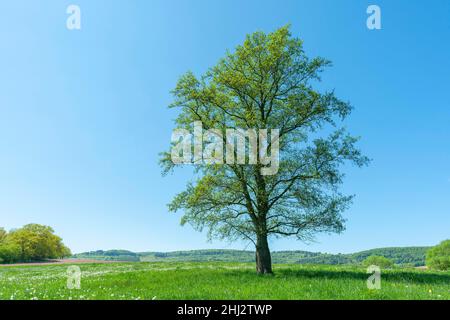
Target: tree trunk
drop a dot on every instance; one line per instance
(263, 259)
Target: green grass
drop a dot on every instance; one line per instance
(218, 280)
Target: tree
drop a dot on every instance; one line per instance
(37, 242)
(380, 261)
(438, 257)
(9, 252)
(266, 83)
(3, 234)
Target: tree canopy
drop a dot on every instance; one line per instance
(379, 261)
(267, 83)
(33, 242)
(438, 257)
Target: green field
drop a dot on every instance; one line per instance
(218, 280)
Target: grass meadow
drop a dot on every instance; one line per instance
(217, 280)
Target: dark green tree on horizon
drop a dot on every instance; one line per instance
(267, 83)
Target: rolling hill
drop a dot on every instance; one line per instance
(408, 256)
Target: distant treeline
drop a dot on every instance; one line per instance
(406, 256)
(109, 255)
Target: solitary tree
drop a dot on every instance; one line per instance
(267, 83)
(379, 261)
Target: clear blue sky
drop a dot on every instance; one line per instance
(83, 114)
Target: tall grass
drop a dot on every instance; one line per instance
(218, 280)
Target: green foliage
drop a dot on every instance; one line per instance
(218, 280)
(31, 243)
(267, 83)
(3, 234)
(9, 252)
(438, 257)
(412, 256)
(379, 261)
(109, 255)
(407, 256)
